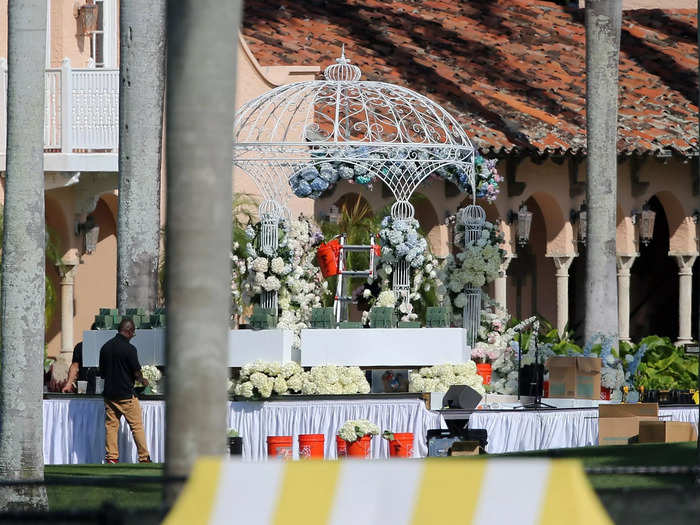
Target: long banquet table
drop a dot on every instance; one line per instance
(74, 426)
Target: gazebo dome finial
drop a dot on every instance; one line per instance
(342, 71)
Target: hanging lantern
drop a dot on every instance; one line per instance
(87, 17)
(524, 218)
(646, 225)
(580, 216)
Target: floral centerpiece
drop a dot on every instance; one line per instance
(355, 429)
(440, 378)
(334, 380)
(400, 241)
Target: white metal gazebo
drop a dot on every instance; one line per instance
(304, 137)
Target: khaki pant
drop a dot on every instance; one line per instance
(131, 410)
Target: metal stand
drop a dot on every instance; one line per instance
(340, 304)
(538, 404)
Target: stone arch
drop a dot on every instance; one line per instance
(352, 200)
(435, 231)
(681, 229)
(558, 230)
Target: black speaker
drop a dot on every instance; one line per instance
(461, 396)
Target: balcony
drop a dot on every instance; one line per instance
(81, 118)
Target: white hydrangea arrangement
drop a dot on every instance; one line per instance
(400, 241)
(440, 378)
(153, 376)
(475, 266)
(290, 271)
(262, 379)
(357, 428)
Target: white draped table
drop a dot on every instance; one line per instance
(519, 430)
(74, 427)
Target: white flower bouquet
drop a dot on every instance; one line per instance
(153, 376)
(440, 378)
(400, 241)
(357, 428)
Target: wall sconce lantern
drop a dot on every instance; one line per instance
(645, 219)
(334, 215)
(91, 231)
(524, 218)
(87, 17)
(696, 216)
(580, 216)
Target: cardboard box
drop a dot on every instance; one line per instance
(619, 424)
(574, 377)
(666, 432)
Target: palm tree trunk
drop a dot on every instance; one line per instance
(603, 18)
(200, 104)
(142, 82)
(21, 361)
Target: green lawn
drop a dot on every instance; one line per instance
(134, 495)
(149, 495)
(652, 454)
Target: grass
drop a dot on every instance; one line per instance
(132, 495)
(653, 454)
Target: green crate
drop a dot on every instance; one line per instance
(322, 318)
(437, 317)
(109, 311)
(133, 312)
(409, 324)
(262, 319)
(382, 317)
(350, 324)
(157, 320)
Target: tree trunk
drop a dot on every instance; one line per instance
(603, 19)
(141, 94)
(23, 261)
(202, 51)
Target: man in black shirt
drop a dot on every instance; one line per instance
(77, 372)
(120, 367)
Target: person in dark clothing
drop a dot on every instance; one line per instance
(120, 367)
(77, 372)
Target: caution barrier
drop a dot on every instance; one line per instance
(483, 492)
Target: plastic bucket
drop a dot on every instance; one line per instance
(328, 255)
(341, 446)
(360, 447)
(484, 370)
(311, 446)
(279, 447)
(605, 393)
(235, 446)
(402, 445)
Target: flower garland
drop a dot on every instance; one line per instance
(313, 179)
(439, 378)
(355, 429)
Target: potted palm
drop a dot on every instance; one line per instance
(235, 443)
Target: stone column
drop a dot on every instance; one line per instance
(562, 264)
(685, 295)
(68, 273)
(500, 283)
(624, 265)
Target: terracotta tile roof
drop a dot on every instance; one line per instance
(512, 71)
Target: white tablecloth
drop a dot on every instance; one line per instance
(516, 430)
(74, 428)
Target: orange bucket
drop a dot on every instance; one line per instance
(402, 445)
(279, 447)
(360, 447)
(484, 370)
(328, 255)
(311, 446)
(341, 446)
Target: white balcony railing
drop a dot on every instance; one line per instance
(81, 109)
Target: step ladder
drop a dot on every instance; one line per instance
(340, 305)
